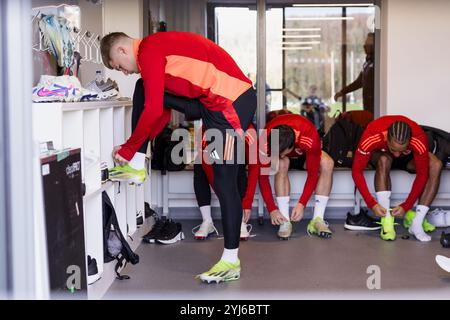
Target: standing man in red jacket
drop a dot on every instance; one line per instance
(189, 65)
(299, 146)
(400, 143)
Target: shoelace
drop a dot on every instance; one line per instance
(247, 225)
(196, 228)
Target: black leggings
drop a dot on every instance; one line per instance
(190, 107)
(225, 175)
(202, 187)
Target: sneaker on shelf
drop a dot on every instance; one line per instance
(203, 230)
(108, 85)
(93, 274)
(285, 230)
(222, 271)
(127, 174)
(388, 228)
(60, 89)
(104, 90)
(361, 222)
(319, 227)
(445, 239)
(245, 231)
(409, 217)
(171, 233)
(443, 262)
(155, 231)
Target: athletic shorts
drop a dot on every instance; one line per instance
(398, 163)
(439, 147)
(297, 163)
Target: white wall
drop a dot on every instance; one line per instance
(125, 16)
(91, 19)
(415, 60)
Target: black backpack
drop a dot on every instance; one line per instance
(115, 246)
(436, 134)
(162, 147)
(341, 141)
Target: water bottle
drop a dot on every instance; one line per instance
(98, 76)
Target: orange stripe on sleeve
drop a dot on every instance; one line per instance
(205, 75)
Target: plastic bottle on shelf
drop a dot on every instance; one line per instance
(99, 76)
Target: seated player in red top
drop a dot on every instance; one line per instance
(299, 148)
(191, 66)
(396, 142)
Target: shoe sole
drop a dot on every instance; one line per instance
(209, 279)
(149, 240)
(283, 238)
(443, 262)
(387, 239)
(243, 238)
(201, 238)
(178, 237)
(359, 228)
(130, 181)
(94, 278)
(324, 235)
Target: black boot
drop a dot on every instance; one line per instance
(445, 239)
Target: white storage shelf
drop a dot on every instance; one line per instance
(95, 127)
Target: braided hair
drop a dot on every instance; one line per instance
(400, 131)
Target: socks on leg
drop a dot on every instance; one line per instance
(283, 205)
(384, 199)
(416, 227)
(138, 161)
(230, 255)
(320, 206)
(206, 213)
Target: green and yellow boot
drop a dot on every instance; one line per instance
(222, 271)
(319, 227)
(409, 216)
(388, 228)
(127, 173)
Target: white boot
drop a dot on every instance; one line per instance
(204, 230)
